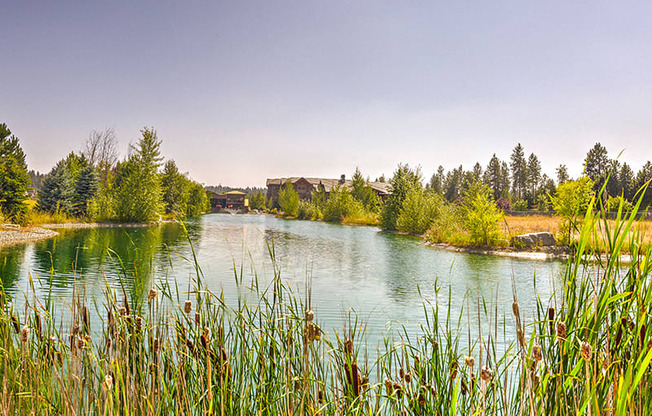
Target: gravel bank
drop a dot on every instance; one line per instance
(24, 235)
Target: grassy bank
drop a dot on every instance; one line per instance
(586, 351)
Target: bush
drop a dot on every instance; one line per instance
(614, 203)
(341, 204)
(288, 200)
(482, 215)
(308, 211)
(521, 205)
(448, 226)
(504, 204)
(419, 210)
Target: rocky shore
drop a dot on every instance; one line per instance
(10, 237)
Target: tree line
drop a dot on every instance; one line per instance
(96, 185)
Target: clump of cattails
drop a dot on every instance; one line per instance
(536, 352)
(469, 361)
(187, 307)
(486, 374)
(561, 330)
(586, 351)
(311, 333)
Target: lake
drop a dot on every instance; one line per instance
(384, 278)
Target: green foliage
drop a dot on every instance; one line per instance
(543, 202)
(138, 186)
(86, 188)
(288, 200)
(571, 201)
(319, 198)
(363, 193)
(57, 191)
(520, 205)
(14, 180)
(257, 201)
(614, 204)
(448, 226)
(420, 209)
(340, 205)
(482, 214)
(195, 199)
(404, 180)
(173, 185)
(308, 211)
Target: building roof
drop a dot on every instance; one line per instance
(328, 184)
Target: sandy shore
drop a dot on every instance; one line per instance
(24, 235)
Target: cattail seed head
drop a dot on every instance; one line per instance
(155, 345)
(188, 306)
(642, 334)
(348, 346)
(39, 328)
(389, 385)
(24, 334)
(401, 373)
(536, 352)
(310, 315)
(407, 378)
(152, 295)
(551, 313)
(139, 323)
(521, 337)
(516, 310)
(197, 318)
(80, 343)
(108, 381)
(470, 361)
(585, 350)
(122, 311)
(486, 374)
(561, 330)
(15, 323)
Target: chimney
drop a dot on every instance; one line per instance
(342, 179)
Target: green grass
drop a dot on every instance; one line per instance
(587, 352)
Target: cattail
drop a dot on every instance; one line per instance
(39, 328)
(80, 343)
(454, 366)
(155, 345)
(407, 378)
(389, 385)
(642, 334)
(561, 330)
(521, 337)
(516, 310)
(152, 295)
(470, 361)
(619, 336)
(486, 373)
(310, 315)
(585, 350)
(401, 373)
(464, 387)
(139, 323)
(108, 381)
(435, 346)
(536, 379)
(536, 352)
(24, 334)
(551, 319)
(348, 346)
(122, 311)
(188, 306)
(421, 398)
(15, 323)
(86, 318)
(197, 318)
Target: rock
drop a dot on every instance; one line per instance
(533, 240)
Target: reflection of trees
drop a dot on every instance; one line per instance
(401, 261)
(126, 256)
(11, 259)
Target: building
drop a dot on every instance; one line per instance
(306, 186)
(232, 200)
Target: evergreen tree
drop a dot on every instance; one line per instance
(643, 177)
(57, 193)
(86, 188)
(519, 171)
(492, 176)
(562, 174)
(196, 199)
(173, 187)
(138, 186)
(627, 182)
(288, 200)
(437, 181)
(14, 180)
(533, 175)
(596, 165)
(404, 179)
(453, 185)
(363, 193)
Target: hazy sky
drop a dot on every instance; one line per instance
(244, 90)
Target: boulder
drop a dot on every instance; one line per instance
(533, 240)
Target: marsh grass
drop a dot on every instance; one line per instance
(587, 351)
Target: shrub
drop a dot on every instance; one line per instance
(308, 211)
(419, 210)
(614, 203)
(504, 204)
(482, 215)
(288, 200)
(341, 204)
(520, 205)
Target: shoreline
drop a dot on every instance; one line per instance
(493, 251)
(25, 235)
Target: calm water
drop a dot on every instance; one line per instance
(384, 278)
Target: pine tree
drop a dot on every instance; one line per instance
(627, 182)
(533, 175)
(173, 186)
(492, 176)
(596, 165)
(14, 180)
(519, 171)
(86, 188)
(562, 174)
(57, 191)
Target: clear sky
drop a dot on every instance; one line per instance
(244, 90)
